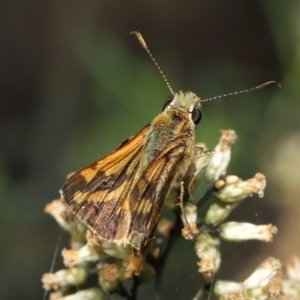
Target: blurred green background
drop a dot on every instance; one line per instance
(74, 84)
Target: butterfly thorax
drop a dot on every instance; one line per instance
(174, 123)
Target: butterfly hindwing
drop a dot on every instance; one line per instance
(150, 192)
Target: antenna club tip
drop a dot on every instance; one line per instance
(268, 84)
(271, 83)
(140, 38)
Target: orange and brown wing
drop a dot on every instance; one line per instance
(150, 192)
(99, 193)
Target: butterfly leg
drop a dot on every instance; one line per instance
(201, 159)
(181, 204)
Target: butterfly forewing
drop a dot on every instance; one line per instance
(98, 193)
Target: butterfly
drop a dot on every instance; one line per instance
(121, 196)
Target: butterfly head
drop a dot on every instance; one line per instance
(188, 102)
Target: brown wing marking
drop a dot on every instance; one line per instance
(151, 190)
(98, 193)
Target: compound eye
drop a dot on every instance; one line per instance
(196, 116)
(166, 104)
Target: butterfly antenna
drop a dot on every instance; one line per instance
(143, 43)
(262, 86)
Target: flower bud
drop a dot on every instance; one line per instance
(84, 254)
(109, 277)
(101, 246)
(189, 219)
(208, 250)
(68, 222)
(235, 231)
(234, 189)
(217, 166)
(219, 211)
(65, 277)
(256, 286)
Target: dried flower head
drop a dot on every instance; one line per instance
(91, 257)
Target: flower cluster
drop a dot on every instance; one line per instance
(95, 268)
